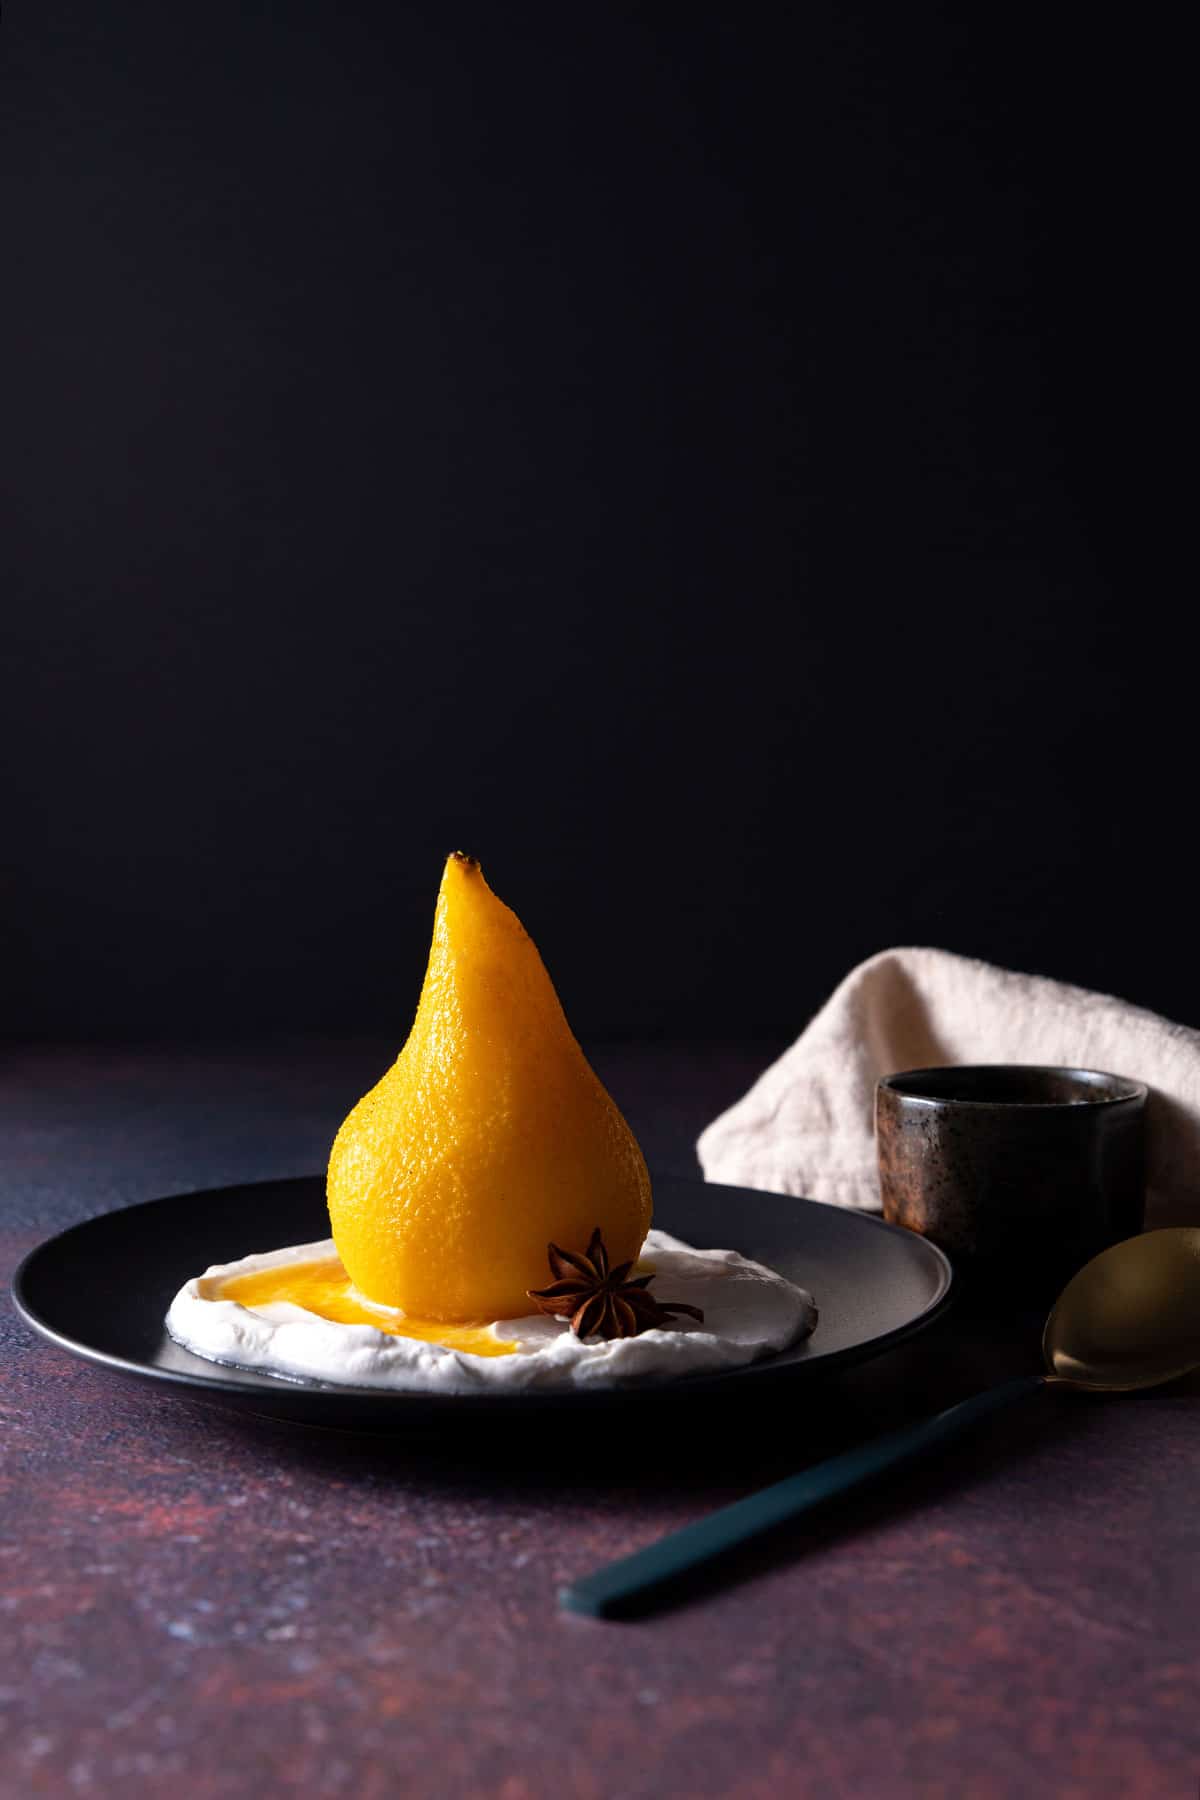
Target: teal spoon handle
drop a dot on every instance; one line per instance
(612, 1590)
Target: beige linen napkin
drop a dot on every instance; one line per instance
(807, 1125)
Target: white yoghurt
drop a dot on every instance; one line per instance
(749, 1312)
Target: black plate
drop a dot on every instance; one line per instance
(102, 1289)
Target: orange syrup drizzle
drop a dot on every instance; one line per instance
(323, 1287)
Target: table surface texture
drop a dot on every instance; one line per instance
(203, 1604)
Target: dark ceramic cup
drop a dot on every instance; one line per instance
(1021, 1174)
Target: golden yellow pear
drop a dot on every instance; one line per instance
(489, 1136)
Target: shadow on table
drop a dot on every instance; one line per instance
(714, 1453)
(709, 1446)
(719, 1441)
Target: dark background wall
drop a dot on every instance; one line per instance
(706, 460)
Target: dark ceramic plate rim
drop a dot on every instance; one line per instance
(285, 1392)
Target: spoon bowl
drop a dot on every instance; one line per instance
(1131, 1317)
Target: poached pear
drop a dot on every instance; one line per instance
(489, 1136)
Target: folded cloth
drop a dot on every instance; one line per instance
(807, 1125)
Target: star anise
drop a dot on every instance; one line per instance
(599, 1301)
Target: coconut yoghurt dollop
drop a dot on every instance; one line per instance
(236, 1313)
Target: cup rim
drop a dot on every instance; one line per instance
(1133, 1090)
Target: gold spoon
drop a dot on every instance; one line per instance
(1129, 1319)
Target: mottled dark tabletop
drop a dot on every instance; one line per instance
(201, 1604)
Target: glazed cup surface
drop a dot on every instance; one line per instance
(1020, 1172)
